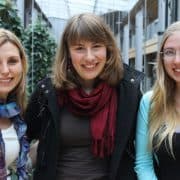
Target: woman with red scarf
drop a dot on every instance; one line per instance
(84, 115)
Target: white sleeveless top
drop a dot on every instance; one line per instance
(12, 146)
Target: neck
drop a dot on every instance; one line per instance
(87, 85)
(5, 123)
(88, 90)
(2, 101)
(177, 93)
(177, 99)
(3, 98)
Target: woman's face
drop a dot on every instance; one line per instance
(88, 59)
(11, 69)
(171, 56)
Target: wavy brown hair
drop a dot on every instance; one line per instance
(86, 27)
(19, 93)
(163, 114)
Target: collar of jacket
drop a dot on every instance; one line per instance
(49, 92)
(132, 75)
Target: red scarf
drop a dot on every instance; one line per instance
(101, 106)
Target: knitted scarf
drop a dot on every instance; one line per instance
(101, 106)
(12, 111)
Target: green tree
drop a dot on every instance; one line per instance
(40, 47)
(9, 18)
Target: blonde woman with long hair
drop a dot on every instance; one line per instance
(13, 144)
(158, 126)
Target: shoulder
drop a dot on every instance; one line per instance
(145, 100)
(131, 80)
(45, 86)
(132, 76)
(42, 90)
(45, 82)
(47, 90)
(147, 96)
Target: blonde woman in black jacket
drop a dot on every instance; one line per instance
(84, 116)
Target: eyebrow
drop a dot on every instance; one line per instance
(12, 55)
(169, 48)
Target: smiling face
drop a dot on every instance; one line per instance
(172, 64)
(11, 69)
(88, 59)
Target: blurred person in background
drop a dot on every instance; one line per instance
(84, 116)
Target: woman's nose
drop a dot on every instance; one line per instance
(177, 57)
(4, 68)
(89, 54)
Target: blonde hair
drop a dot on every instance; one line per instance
(20, 90)
(88, 27)
(163, 114)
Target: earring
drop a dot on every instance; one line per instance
(69, 65)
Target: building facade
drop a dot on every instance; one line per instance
(139, 32)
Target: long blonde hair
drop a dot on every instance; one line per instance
(163, 114)
(88, 27)
(20, 90)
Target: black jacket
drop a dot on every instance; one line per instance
(42, 117)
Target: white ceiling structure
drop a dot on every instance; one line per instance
(66, 8)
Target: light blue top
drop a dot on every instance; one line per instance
(144, 160)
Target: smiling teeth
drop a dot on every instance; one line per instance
(90, 66)
(177, 70)
(5, 80)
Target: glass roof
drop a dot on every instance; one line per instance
(66, 8)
